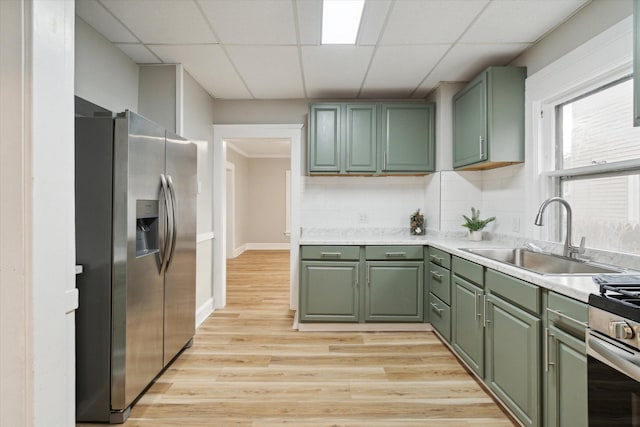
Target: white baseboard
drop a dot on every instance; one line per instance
(239, 251)
(204, 311)
(261, 247)
(268, 246)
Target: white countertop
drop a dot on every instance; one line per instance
(577, 287)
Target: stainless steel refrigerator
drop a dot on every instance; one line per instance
(136, 239)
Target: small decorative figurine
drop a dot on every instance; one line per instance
(417, 223)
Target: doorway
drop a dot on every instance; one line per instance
(222, 134)
(231, 214)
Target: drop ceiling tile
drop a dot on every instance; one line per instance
(162, 21)
(209, 65)
(373, 17)
(251, 21)
(465, 61)
(335, 71)
(269, 71)
(103, 22)
(519, 21)
(398, 70)
(139, 53)
(423, 22)
(309, 21)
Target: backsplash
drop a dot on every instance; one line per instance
(363, 202)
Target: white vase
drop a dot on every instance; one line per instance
(475, 236)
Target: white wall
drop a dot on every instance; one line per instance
(242, 197)
(157, 94)
(104, 75)
(267, 201)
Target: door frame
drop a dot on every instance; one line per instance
(222, 133)
(230, 167)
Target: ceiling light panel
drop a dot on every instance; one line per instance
(251, 22)
(341, 21)
(423, 22)
(91, 12)
(209, 65)
(396, 71)
(324, 70)
(269, 71)
(162, 21)
(519, 21)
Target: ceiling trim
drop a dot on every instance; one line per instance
(237, 149)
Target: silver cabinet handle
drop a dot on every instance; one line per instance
(330, 254)
(437, 259)
(395, 254)
(480, 139)
(475, 304)
(437, 309)
(174, 214)
(368, 275)
(547, 350)
(436, 275)
(357, 275)
(168, 223)
(570, 319)
(485, 311)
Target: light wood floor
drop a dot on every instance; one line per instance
(247, 367)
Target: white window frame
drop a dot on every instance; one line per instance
(601, 60)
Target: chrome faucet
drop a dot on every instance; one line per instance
(569, 250)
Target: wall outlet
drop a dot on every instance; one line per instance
(363, 218)
(515, 225)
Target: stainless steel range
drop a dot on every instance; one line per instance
(613, 349)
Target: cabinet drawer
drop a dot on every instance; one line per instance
(559, 306)
(440, 315)
(439, 280)
(519, 292)
(468, 270)
(439, 257)
(331, 252)
(394, 253)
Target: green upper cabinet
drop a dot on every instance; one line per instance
(408, 138)
(488, 120)
(371, 138)
(636, 62)
(325, 130)
(361, 138)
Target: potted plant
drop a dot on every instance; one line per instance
(475, 224)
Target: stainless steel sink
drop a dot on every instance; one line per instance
(543, 263)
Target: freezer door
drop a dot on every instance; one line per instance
(180, 276)
(139, 230)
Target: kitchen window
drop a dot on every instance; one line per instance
(597, 166)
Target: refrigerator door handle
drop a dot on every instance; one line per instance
(174, 227)
(164, 258)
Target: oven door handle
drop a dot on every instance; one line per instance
(620, 359)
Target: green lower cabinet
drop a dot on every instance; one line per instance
(512, 364)
(566, 374)
(467, 323)
(439, 316)
(394, 291)
(329, 291)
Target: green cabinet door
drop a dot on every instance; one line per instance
(470, 123)
(325, 138)
(512, 352)
(408, 137)
(467, 327)
(566, 373)
(329, 291)
(361, 138)
(394, 291)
